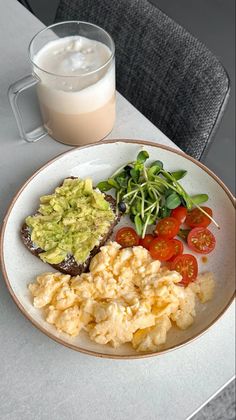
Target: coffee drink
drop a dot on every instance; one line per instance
(76, 89)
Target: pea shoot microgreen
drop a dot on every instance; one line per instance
(149, 192)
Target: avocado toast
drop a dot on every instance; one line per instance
(70, 226)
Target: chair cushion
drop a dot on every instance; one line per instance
(165, 72)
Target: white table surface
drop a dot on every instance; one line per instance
(40, 379)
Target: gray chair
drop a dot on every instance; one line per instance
(165, 72)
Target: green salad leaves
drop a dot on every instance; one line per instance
(148, 192)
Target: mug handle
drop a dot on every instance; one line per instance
(13, 93)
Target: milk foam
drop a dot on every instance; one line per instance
(72, 55)
(66, 68)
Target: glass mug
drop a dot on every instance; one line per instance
(73, 68)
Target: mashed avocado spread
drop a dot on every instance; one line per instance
(71, 221)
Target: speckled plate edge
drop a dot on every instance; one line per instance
(70, 345)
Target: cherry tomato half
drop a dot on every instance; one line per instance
(195, 218)
(126, 237)
(201, 240)
(145, 242)
(187, 266)
(167, 228)
(178, 248)
(179, 213)
(161, 249)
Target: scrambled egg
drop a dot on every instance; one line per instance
(126, 297)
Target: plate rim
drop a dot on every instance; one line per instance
(61, 340)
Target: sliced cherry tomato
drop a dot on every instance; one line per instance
(145, 242)
(161, 249)
(127, 236)
(167, 228)
(201, 240)
(179, 213)
(195, 218)
(178, 248)
(187, 266)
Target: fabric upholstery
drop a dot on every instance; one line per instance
(165, 72)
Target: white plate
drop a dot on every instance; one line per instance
(99, 161)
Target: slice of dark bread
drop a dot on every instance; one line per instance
(69, 265)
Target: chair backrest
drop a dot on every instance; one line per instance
(165, 72)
